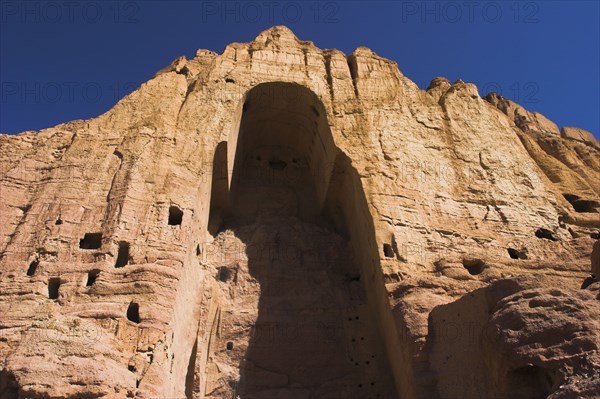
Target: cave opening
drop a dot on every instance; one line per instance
(529, 381)
(517, 253)
(474, 266)
(297, 204)
(91, 241)
(133, 312)
(53, 287)
(92, 276)
(581, 205)
(122, 254)
(223, 274)
(175, 216)
(545, 234)
(33, 267)
(388, 251)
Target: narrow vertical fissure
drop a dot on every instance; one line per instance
(305, 52)
(328, 74)
(219, 190)
(189, 378)
(119, 156)
(353, 67)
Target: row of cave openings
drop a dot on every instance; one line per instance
(54, 283)
(477, 266)
(93, 241)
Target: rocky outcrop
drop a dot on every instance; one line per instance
(571, 163)
(579, 135)
(518, 338)
(284, 221)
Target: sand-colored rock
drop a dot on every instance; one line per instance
(517, 338)
(281, 221)
(579, 135)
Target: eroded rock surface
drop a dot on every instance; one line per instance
(284, 221)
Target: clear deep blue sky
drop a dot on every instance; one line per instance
(63, 60)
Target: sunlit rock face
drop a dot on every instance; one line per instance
(281, 221)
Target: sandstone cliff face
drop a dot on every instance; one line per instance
(285, 221)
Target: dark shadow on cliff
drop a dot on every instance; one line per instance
(299, 207)
(219, 193)
(316, 334)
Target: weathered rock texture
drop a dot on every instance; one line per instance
(281, 221)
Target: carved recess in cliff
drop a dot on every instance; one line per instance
(300, 321)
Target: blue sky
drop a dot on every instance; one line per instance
(63, 60)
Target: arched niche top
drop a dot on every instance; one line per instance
(291, 118)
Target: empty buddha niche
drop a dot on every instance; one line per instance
(300, 323)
